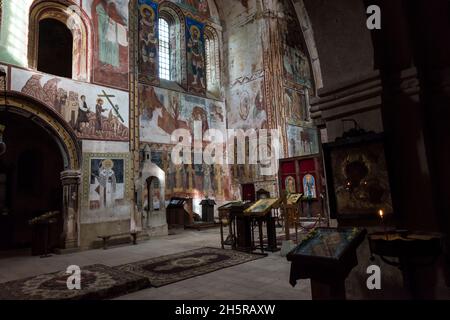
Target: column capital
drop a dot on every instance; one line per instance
(71, 177)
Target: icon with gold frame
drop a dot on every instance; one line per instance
(294, 198)
(263, 206)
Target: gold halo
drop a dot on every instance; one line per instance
(146, 6)
(192, 28)
(107, 164)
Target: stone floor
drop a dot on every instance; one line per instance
(264, 279)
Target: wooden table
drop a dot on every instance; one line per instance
(326, 257)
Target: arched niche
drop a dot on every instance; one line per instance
(75, 20)
(67, 143)
(153, 201)
(150, 191)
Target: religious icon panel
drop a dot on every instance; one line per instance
(107, 183)
(357, 177)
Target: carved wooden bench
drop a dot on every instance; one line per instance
(106, 238)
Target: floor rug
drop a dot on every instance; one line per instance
(169, 269)
(97, 282)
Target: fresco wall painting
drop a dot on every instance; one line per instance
(245, 58)
(302, 141)
(296, 65)
(148, 42)
(295, 105)
(163, 111)
(191, 180)
(195, 42)
(107, 187)
(107, 183)
(246, 109)
(93, 112)
(110, 22)
(199, 7)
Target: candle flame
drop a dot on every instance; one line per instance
(381, 213)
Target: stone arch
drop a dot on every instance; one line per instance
(308, 35)
(75, 20)
(51, 122)
(69, 147)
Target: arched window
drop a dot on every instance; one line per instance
(52, 26)
(55, 48)
(164, 49)
(172, 51)
(212, 61)
(209, 61)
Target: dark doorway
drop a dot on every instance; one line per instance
(55, 48)
(248, 192)
(30, 182)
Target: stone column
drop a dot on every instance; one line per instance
(71, 181)
(429, 24)
(411, 56)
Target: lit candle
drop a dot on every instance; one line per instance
(381, 213)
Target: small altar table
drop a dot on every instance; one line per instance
(326, 257)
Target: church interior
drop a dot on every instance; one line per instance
(224, 149)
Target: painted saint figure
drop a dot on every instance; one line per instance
(148, 39)
(106, 184)
(197, 57)
(98, 115)
(200, 115)
(290, 185)
(218, 173)
(203, 6)
(198, 176)
(108, 46)
(309, 186)
(171, 183)
(83, 111)
(112, 30)
(206, 179)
